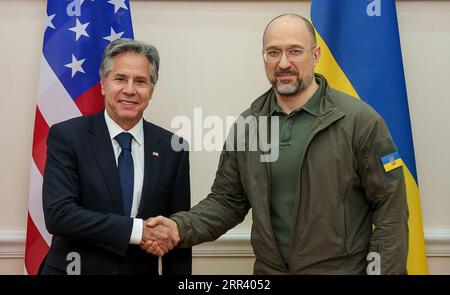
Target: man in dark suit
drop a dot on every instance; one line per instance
(108, 173)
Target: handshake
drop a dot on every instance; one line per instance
(159, 235)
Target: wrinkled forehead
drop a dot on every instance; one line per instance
(131, 60)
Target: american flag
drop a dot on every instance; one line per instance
(75, 36)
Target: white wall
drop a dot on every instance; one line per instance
(210, 58)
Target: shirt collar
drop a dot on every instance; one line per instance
(114, 129)
(312, 106)
(274, 106)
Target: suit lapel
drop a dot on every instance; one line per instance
(102, 149)
(152, 161)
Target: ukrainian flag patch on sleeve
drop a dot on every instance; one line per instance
(391, 161)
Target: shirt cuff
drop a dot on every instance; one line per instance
(136, 231)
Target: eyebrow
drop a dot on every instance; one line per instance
(141, 77)
(135, 78)
(291, 47)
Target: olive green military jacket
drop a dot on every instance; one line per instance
(348, 205)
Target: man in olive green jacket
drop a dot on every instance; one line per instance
(325, 204)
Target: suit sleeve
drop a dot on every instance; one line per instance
(63, 213)
(179, 260)
(386, 194)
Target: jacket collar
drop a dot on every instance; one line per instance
(153, 155)
(327, 108)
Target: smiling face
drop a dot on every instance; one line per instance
(127, 88)
(288, 77)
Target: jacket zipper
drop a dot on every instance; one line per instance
(326, 122)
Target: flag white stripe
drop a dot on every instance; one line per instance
(35, 202)
(54, 102)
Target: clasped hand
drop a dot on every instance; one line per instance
(159, 236)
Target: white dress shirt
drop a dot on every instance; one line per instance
(137, 152)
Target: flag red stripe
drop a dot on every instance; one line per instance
(40, 141)
(91, 101)
(36, 245)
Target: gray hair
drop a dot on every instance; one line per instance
(128, 45)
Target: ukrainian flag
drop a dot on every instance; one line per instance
(361, 56)
(391, 161)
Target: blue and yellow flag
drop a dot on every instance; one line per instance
(361, 56)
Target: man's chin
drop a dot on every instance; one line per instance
(287, 89)
(129, 114)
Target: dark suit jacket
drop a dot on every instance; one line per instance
(82, 199)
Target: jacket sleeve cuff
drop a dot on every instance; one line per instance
(181, 229)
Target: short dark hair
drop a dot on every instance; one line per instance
(307, 23)
(128, 45)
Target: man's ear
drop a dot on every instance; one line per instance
(317, 54)
(102, 88)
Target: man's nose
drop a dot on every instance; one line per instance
(129, 88)
(284, 61)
